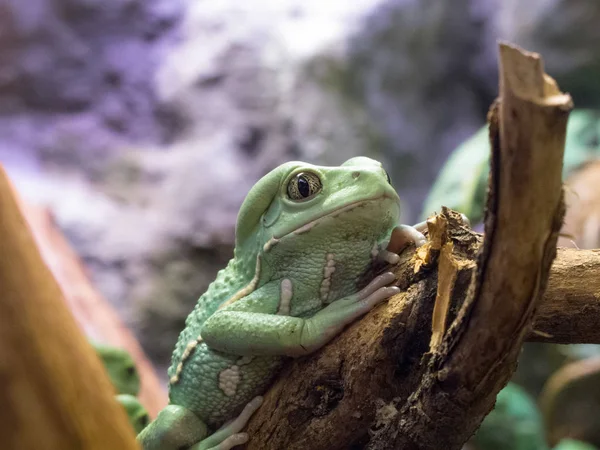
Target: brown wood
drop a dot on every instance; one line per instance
(570, 311)
(54, 391)
(377, 386)
(96, 317)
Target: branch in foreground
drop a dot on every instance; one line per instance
(95, 315)
(376, 386)
(55, 393)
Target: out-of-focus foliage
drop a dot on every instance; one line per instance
(462, 183)
(515, 423)
(570, 401)
(572, 444)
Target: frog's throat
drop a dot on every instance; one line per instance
(315, 221)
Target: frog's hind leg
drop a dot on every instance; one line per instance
(228, 436)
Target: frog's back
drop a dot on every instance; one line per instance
(212, 384)
(227, 283)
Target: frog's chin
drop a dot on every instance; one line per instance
(314, 221)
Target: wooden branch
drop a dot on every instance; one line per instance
(376, 385)
(55, 392)
(96, 317)
(570, 311)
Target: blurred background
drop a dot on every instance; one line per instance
(143, 124)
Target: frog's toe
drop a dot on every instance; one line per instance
(228, 436)
(232, 441)
(377, 297)
(388, 257)
(376, 284)
(402, 236)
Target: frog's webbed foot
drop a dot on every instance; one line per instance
(229, 436)
(329, 322)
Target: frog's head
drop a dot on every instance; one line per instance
(120, 367)
(298, 196)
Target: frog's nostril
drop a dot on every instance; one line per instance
(355, 174)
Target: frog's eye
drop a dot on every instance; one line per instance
(130, 371)
(144, 420)
(303, 186)
(387, 175)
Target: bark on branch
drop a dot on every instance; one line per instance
(379, 385)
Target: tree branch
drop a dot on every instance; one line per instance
(570, 310)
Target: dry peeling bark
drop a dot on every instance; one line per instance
(380, 385)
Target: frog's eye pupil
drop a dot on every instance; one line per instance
(303, 186)
(389, 180)
(144, 420)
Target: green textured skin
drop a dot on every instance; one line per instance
(120, 367)
(348, 237)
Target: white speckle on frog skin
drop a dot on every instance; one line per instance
(270, 244)
(186, 354)
(328, 271)
(285, 298)
(247, 289)
(229, 380)
(306, 228)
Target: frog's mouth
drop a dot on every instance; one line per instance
(320, 218)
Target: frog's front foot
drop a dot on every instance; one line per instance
(329, 322)
(229, 436)
(402, 236)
